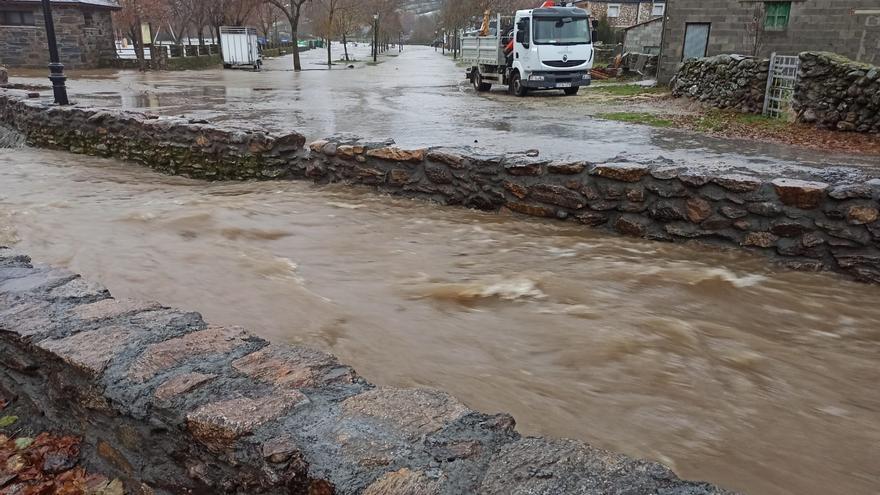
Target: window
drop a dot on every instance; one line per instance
(16, 18)
(524, 27)
(88, 21)
(561, 30)
(658, 9)
(777, 15)
(613, 10)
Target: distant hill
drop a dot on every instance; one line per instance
(421, 6)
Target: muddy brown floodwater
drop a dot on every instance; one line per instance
(763, 381)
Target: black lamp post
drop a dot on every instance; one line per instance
(56, 68)
(375, 36)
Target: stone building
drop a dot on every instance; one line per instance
(624, 13)
(644, 37)
(83, 29)
(698, 28)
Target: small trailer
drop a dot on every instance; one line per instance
(240, 47)
(549, 47)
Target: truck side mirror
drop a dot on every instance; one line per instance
(595, 23)
(520, 36)
(595, 36)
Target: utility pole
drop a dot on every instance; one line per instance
(56, 68)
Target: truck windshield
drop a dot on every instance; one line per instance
(561, 31)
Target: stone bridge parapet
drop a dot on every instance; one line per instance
(800, 221)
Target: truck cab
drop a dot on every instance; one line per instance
(552, 49)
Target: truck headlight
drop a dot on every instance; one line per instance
(586, 76)
(536, 78)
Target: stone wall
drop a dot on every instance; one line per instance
(838, 93)
(804, 224)
(194, 62)
(170, 404)
(724, 81)
(80, 44)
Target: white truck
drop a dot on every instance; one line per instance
(552, 49)
(240, 47)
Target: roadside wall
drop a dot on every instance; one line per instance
(169, 63)
(170, 405)
(838, 93)
(804, 224)
(724, 81)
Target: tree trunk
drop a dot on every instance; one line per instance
(329, 56)
(139, 44)
(345, 46)
(297, 66)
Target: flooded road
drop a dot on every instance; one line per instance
(421, 98)
(714, 363)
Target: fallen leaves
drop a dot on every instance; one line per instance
(732, 124)
(8, 421)
(47, 465)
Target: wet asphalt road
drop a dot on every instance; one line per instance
(420, 98)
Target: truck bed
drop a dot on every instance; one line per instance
(482, 50)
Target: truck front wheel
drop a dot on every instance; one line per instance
(479, 85)
(571, 91)
(516, 85)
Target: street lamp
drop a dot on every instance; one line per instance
(375, 36)
(56, 68)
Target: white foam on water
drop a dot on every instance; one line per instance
(738, 281)
(346, 206)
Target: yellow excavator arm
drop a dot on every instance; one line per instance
(484, 28)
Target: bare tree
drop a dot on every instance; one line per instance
(180, 14)
(266, 17)
(135, 14)
(350, 16)
(323, 14)
(292, 9)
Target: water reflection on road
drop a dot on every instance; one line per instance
(760, 380)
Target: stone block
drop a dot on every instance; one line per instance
(800, 193)
(294, 367)
(760, 239)
(738, 182)
(566, 168)
(557, 195)
(698, 209)
(531, 210)
(405, 482)
(218, 424)
(108, 309)
(624, 172)
(631, 226)
(162, 356)
(397, 154)
(412, 412)
(38, 279)
(180, 384)
(91, 351)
